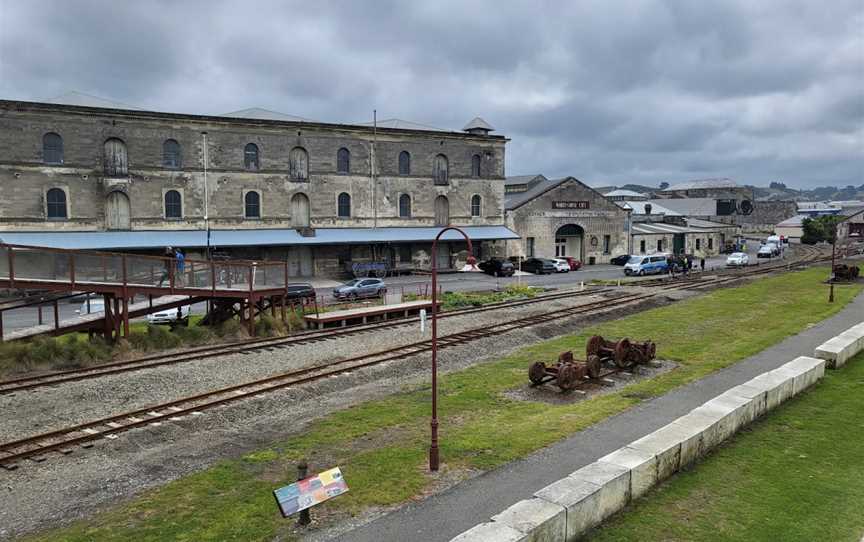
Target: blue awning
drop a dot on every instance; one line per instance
(103, 240)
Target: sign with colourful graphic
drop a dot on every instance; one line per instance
(310, 491)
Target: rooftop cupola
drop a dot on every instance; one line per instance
(478, 126)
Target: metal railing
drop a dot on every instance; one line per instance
(83, 269)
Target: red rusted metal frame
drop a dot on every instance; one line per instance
(434, 457)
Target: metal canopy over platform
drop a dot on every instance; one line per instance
(102, 240)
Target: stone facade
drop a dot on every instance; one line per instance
(602, 224)
(709, 243)
(288, 189)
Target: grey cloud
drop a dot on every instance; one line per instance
(610, 92)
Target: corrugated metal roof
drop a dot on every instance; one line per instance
(696, 184)
(657, 228)
(688, 206)
(523, 179)
(625, 193)
(639, 208)
(515, 199)
(794, 222)
(709, 224)
(87, 100)
(259, 113)
(402, 125)
(101, 240)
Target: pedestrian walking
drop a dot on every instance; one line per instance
(670, 266)
(166, 265)
(181, 266)
(702, 264)
(689, 264)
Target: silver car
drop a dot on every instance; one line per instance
(358, 288)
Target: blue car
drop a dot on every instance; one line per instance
(646, 265)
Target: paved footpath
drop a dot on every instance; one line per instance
(443, 516)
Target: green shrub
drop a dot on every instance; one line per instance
(194, 335)
(267, 326)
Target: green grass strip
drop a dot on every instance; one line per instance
(381, 444)
(796, 475)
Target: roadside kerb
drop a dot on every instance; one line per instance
(591, 494)
(838, 350)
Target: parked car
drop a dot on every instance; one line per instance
(173, 317)
(357, 288)
(646, 265)
(575, 264)
(620, 260)
(737, 259)
(765, 251)
(497, 268)
(539, 266)
(561, 265)
(97, 304)
(775, 247)
(300, 290)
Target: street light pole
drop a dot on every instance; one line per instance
(433, 446)
(831, 273)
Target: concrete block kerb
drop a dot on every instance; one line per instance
(539, 520)
(614, 493)
(642, 465)
(491, 532)
(838, 350)
(778, 388)
(578, 497)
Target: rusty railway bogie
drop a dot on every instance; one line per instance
(623, 353)
(846, 272)
(567, 373)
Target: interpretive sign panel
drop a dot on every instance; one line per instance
(310, 491)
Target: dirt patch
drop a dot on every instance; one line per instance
(551, 394)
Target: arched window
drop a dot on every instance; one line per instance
(441, 170)
(300, 211)
(476, 204)
(250, 157)
(171, 154)
(405, 206)
(344, 205)
(442, 211)
(173, 204)
(475, 165)
(404, 163)
(252, 204)
(52, 148)
(115, 158)
(298, 164)
(343, 160)
(56, 203)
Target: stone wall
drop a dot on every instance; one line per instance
(25, 179)
(539, 220)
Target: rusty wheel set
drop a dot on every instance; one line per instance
(568, 373)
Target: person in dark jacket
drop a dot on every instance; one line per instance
(702, 264)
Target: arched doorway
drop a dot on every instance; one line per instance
(117, 211)
(300, 211)
(568, 241)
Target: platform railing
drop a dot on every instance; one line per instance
(54, 266)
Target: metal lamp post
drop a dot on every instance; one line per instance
(433, 446)
(831, 273)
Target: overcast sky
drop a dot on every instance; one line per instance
(608, 91)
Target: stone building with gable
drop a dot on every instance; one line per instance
(563, 217)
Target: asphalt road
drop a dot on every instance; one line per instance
(456, 282)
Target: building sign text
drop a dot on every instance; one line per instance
(569, 204)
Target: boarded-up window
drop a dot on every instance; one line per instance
(250, 157)
(343, 160)
(56, 203)
(404, 163)
(300, 211)
(441, 170)
(173, 204)
(117, 211)
(344, 205)
(476, 204)
(475, 165)
(298, 164)
(115, 158)
(442, 211)
(171, 157)
(252, 204)
(404, 206)
(52, 148)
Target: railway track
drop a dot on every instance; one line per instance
(66, 440)
(252, 345)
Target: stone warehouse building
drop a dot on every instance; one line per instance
(563, 217)
(266, 185)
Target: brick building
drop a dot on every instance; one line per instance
(266, 185)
